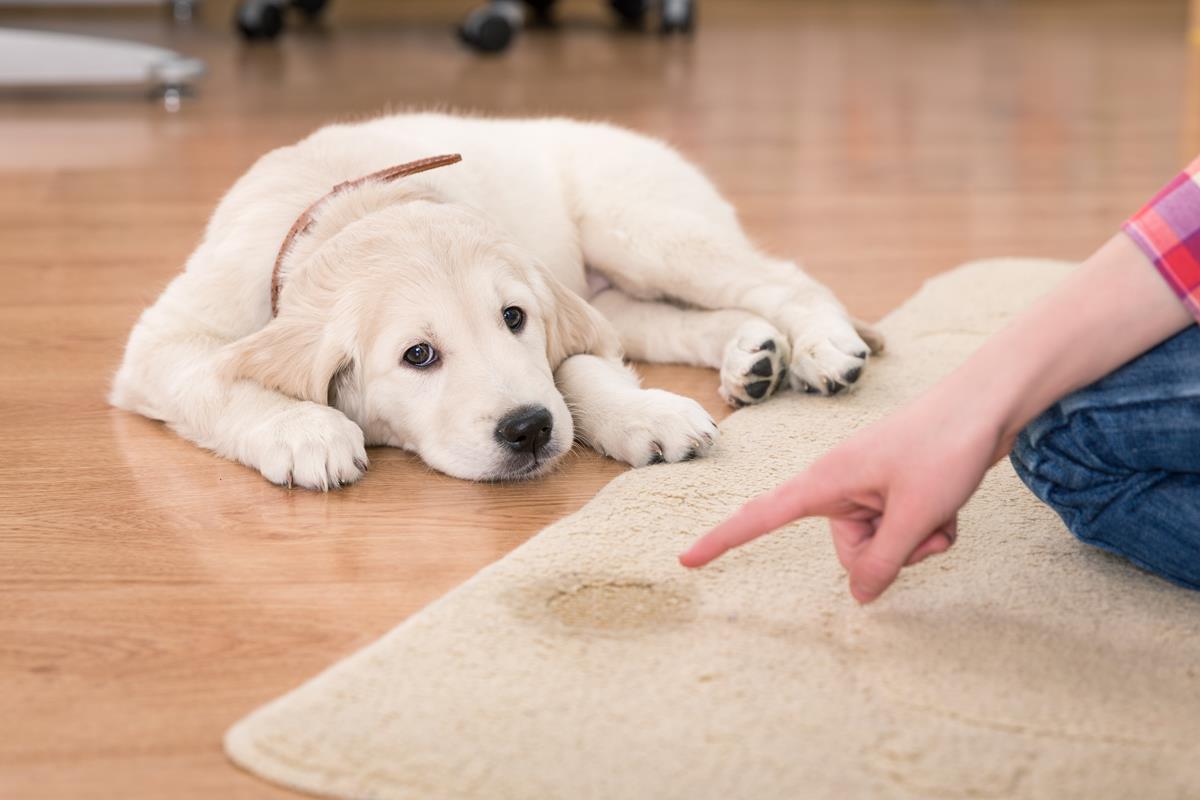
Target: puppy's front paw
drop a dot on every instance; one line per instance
(653, 427)
(828, 355)
(309, 445)
(754, 363)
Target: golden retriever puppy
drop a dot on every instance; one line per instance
(351, 291)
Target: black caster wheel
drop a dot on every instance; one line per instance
(631, 13)
(541, 13)
(678, 16)
(257, 20)
(491, 29)
(311, 9)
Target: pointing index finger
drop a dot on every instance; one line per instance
(761, 515)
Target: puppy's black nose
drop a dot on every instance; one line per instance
(526, 429)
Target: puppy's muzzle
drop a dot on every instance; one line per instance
(525, 430)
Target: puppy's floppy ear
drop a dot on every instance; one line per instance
(573, 326)
(291, 356)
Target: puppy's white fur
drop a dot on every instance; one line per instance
(435, 258)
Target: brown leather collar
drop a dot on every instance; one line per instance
(306, 219)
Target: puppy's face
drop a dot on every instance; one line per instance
(455, 368)
(434, 336)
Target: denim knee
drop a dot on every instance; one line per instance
(1063, 472)
(1065, 461)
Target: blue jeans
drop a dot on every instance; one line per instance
(1120, 460)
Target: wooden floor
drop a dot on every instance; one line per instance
(151, 594)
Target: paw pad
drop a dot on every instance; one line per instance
(754, 364)
(828, 357)
(758, 389)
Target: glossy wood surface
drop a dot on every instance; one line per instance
(151, 594)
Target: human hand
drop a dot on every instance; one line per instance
(891, 493)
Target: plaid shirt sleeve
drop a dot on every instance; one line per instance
(1168, 231)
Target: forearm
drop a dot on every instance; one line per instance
(1115, 307)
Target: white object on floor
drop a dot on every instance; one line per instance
(589, 664)
(42, 59)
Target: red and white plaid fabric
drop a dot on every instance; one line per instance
(1168, 231)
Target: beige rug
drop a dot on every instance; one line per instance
(588, 664)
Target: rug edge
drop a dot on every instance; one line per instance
(239, 743)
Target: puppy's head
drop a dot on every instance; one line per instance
(424, 326)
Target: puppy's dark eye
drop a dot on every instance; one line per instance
(514, 318)
(420, 355)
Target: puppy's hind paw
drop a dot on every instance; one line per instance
(754, 363)
(828, 356)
